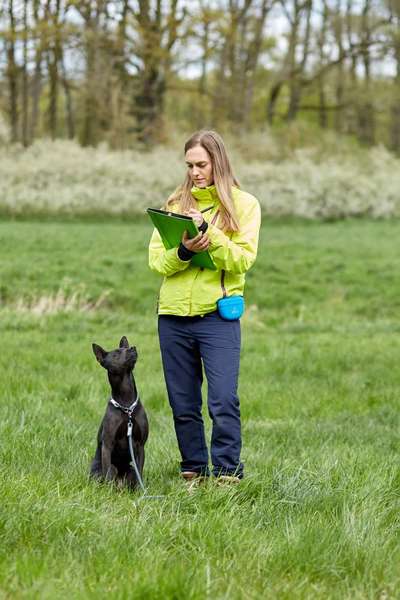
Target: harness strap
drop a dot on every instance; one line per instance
(129, 410)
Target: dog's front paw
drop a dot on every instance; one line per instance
(96, 475)
(111, 473)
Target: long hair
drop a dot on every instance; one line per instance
(223, 176)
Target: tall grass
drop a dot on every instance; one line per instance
(317, 515)
(328, 181)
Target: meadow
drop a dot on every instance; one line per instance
(317, 515)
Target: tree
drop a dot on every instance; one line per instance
(292, 73)
(157, 33)
(394, 32)
(12, 70)
(242, 30)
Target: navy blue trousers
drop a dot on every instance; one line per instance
(187, 345)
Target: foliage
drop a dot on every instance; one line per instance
(119, 71)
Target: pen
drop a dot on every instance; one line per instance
(206, 209)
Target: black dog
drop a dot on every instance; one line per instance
(112, 459)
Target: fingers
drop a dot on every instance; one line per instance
(202, 244)
(192, 212)
(204, 241)
(195, 215)
(198, 238)
(196, 244)
(189, 241)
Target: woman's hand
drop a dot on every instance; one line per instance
(195, 215)
(196, 244)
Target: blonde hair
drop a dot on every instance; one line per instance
(223, 176)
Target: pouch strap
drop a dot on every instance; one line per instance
(223, 283)
(215, 217)
(214, 220)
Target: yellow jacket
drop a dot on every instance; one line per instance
(188, 290)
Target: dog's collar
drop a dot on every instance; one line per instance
(126, 409)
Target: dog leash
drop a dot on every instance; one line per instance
(129, 411)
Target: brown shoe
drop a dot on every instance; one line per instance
(193, 480)
(227, 479)
(190, 475)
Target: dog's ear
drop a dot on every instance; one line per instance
(124, 342)
(99, 352)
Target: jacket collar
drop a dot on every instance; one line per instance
(208, 193)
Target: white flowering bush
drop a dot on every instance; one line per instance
(334, 188)
(61, 178)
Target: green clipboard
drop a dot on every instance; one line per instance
(171, 227)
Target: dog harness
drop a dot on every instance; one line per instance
(128, 410)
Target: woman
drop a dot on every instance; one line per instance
(191, 331)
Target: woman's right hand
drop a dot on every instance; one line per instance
(196, 244)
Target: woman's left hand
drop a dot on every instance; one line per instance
(195, 215)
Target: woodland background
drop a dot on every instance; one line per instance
(138, 71)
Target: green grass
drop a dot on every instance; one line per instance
(317, 515)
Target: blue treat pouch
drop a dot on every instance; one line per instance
(231, 308)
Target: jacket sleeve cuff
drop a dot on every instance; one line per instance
(203, 227)
(184, 253)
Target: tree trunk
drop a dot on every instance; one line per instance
(273, 99)
(37, 76)
(53, 56)
(154, 26)
(220, 92)
(202, 112)
(297, 71)
(293, 41)
(321, 41)
(25, 90)
(90, 126)
(12, 74)
(322, 112)
(150, 105)
(352, 109)
(251, 63)
(340, 74)
(90, 108)
(394, 137)
(366, 112)
(68, 101)
(395, 124)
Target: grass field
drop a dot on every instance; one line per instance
(317, 515)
